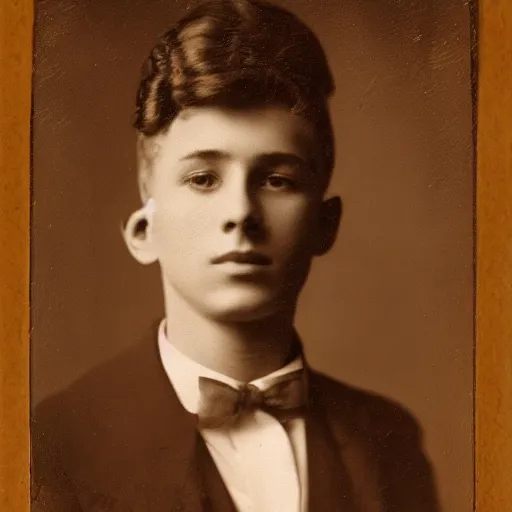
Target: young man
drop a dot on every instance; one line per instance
(217, 409)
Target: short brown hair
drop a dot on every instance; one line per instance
(237, 53)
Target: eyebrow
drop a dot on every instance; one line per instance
(273, 158)
(206, 154)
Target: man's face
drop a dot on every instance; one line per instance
(239, 210)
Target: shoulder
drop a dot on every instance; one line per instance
(100, 387)
(390, 436)
(101, 408)
(369, 412)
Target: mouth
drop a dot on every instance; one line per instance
(243, 258)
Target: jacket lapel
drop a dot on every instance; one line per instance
(330, 488)
(216, 497)
(172, 481)
(183, 475)
(339, 458)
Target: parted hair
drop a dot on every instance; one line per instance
(237, 54)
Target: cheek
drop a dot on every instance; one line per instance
(293, 219)
(182, 224)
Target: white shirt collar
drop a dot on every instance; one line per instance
(184, 373)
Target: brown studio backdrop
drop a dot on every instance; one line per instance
(390, 309)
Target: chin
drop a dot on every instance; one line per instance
(242, 306)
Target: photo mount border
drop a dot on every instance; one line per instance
(493, 371)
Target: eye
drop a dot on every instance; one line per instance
(203, 181)
(277, 182)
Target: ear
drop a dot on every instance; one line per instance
(137, 236)
(329, 223)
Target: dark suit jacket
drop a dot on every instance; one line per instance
(119, 440)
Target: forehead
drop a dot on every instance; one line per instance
(242, 134)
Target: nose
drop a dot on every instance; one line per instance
(241, 210)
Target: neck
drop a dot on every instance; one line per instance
(243, 351)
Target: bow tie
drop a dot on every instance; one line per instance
(220, 404)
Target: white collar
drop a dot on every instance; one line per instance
(184, 373)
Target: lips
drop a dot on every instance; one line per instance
(247, 258)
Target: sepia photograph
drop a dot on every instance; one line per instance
(252, 256)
